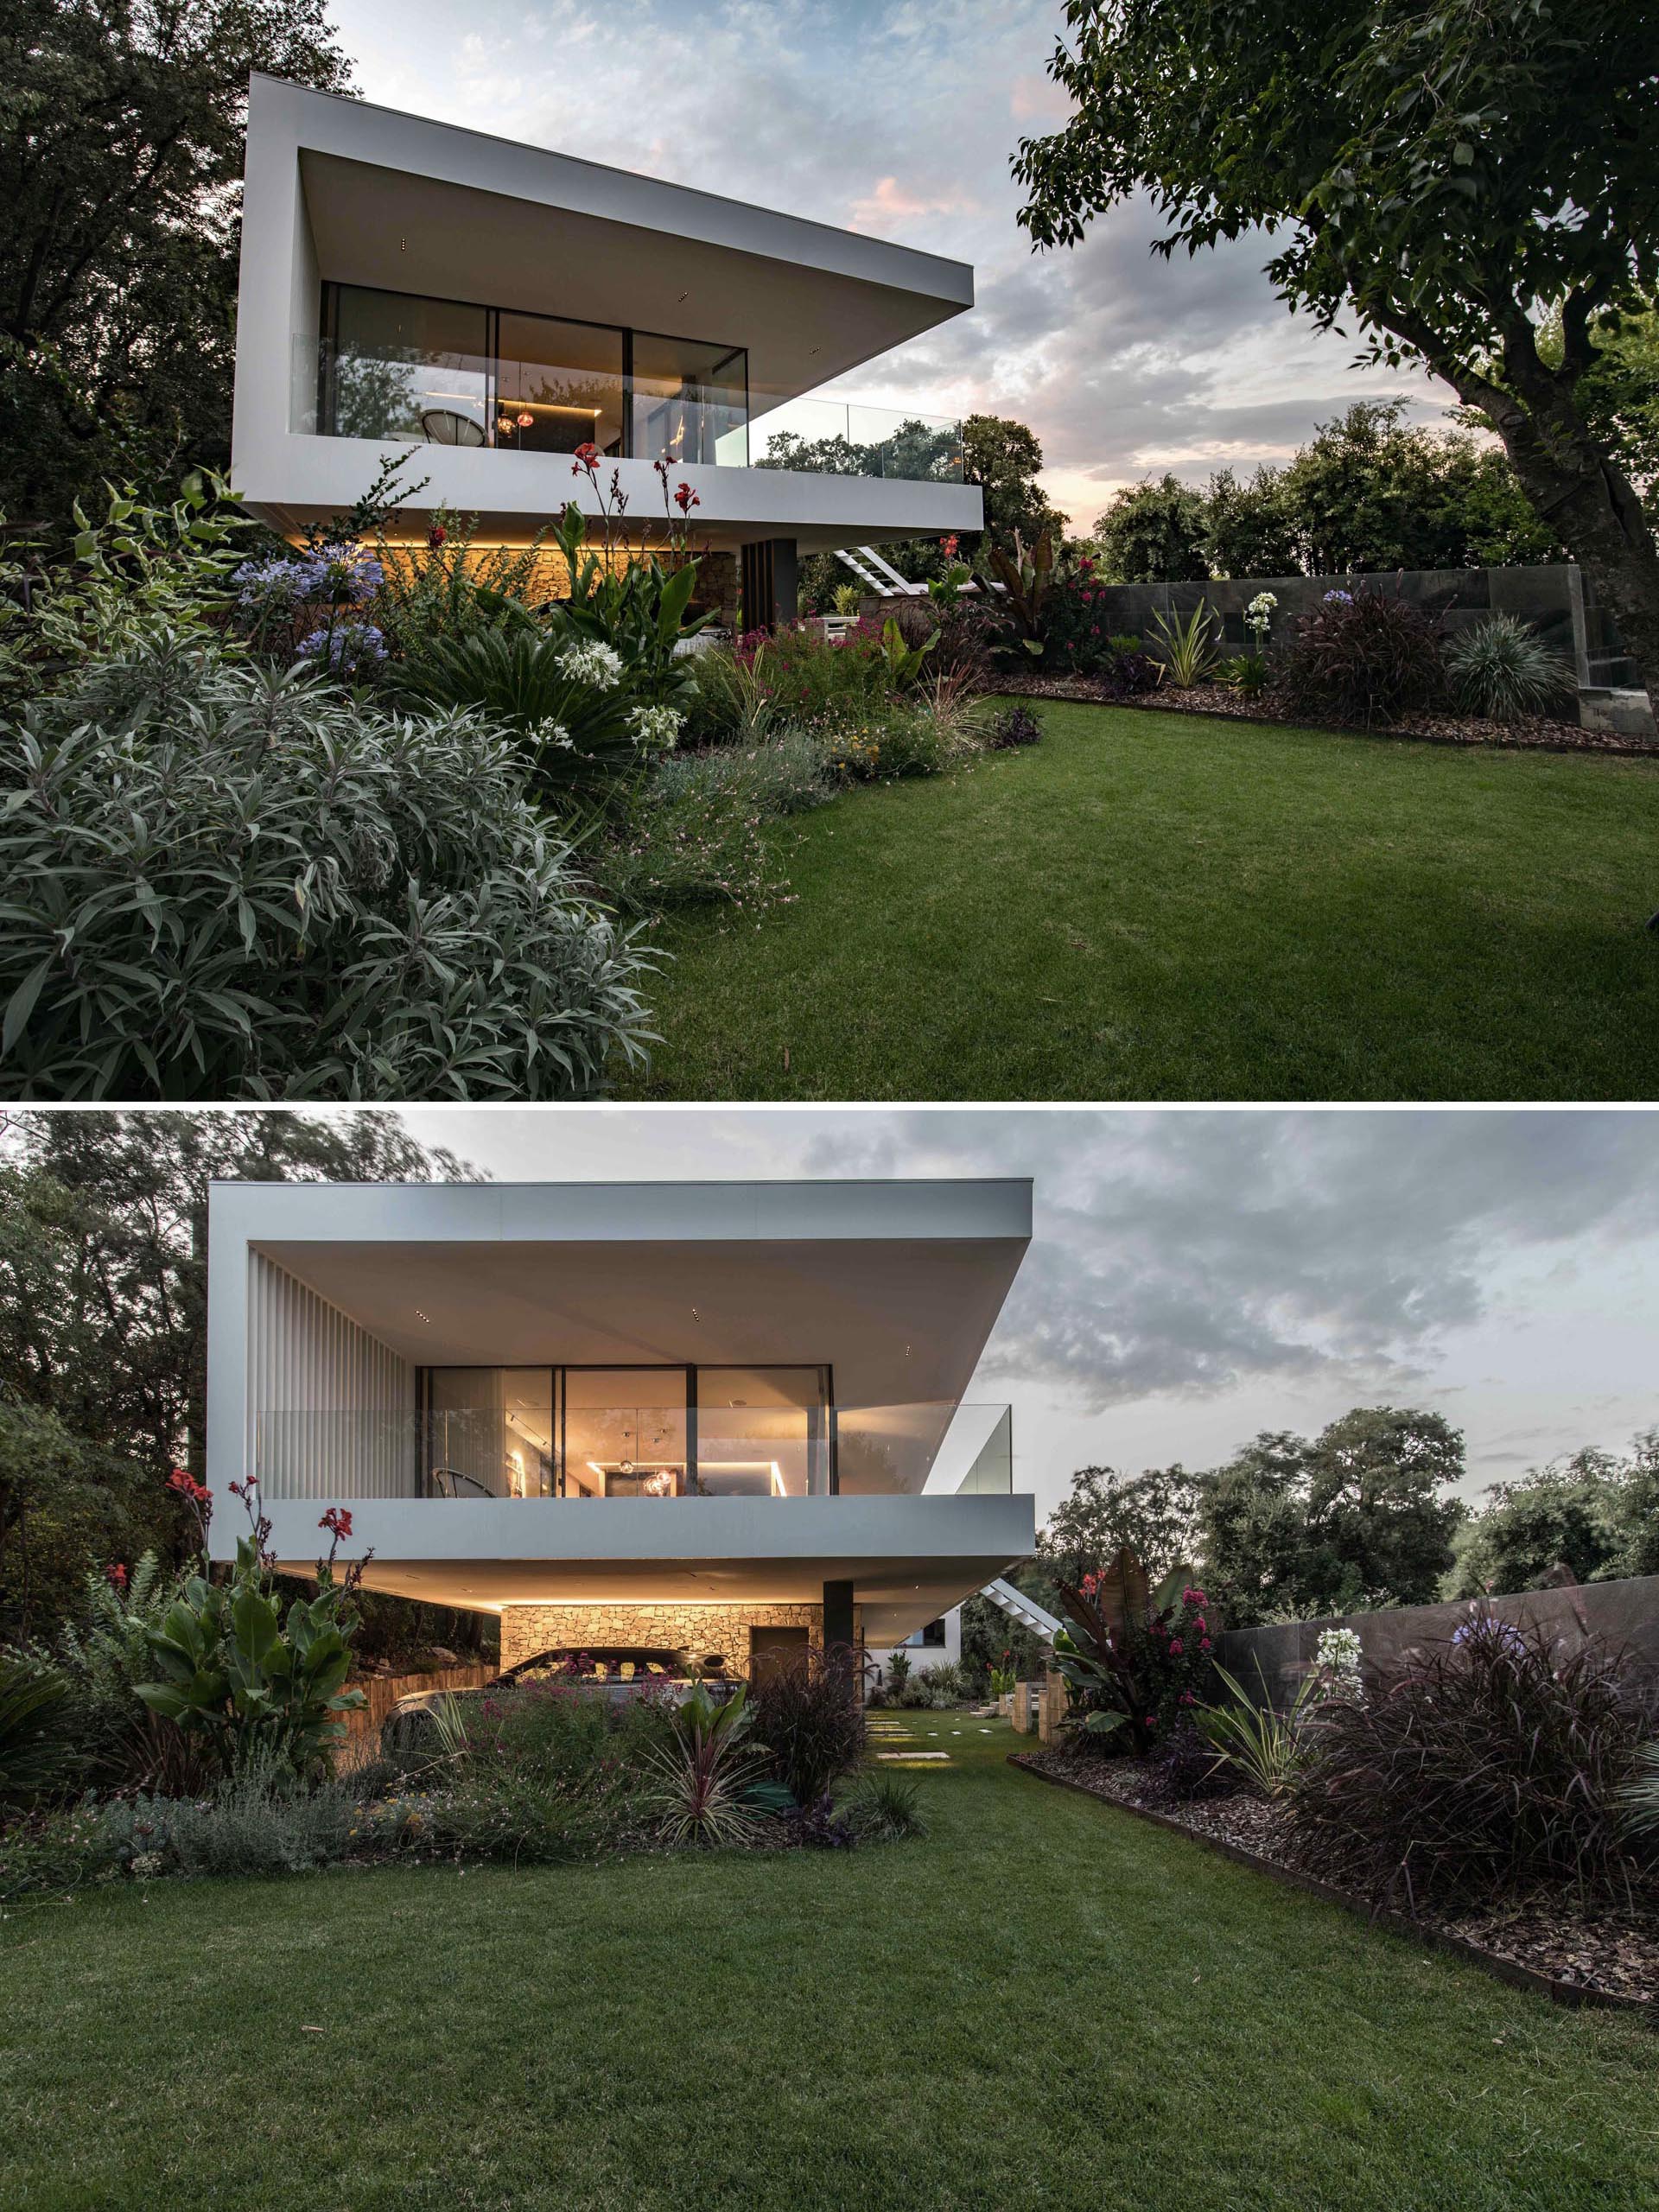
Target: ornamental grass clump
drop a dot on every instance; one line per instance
(1501, 668)
(1486, 1768)
(807, 1718)
(1367, 655)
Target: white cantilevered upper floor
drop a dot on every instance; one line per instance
(485, 307)
(541, 1393)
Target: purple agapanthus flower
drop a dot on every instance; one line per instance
(270, 585)
(1504, 1633)
(352, 647)
(1341, 598)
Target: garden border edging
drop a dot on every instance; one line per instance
(1153, 702)
(1570, 1993)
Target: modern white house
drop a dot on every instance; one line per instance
(483, 309)
(726, 1418)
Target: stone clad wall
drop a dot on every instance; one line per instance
(526, 1630)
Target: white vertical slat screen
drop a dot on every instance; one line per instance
(331, 1409)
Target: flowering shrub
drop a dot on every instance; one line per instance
(1171, 1652)
(337, 900)
(1076, 625)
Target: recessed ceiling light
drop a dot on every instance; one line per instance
(419, 1316)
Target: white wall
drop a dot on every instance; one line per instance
(922, 1656)
(330, 1409)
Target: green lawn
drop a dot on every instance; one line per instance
(1153, 906)
(1045, 2003)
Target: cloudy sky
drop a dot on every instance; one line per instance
(898, 120)
(1198, 1275)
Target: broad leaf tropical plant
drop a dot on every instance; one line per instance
(258, 1688)
(1025, 578)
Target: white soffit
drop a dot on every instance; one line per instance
(895, 1285)
(411, 205)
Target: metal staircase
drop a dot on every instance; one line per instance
(1029, 1614)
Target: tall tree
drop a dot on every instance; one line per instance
(1564, 1514)
(1153, 533)
(122, 127)
(1155, 1513)
(1005, 459)
(1363, 1515)
(1437, 174)
(104, 1294)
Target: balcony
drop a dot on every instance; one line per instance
(396, 368)
(531, 1441)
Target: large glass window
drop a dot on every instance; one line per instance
(762, 1431)
(489, 1431)
(626, 1432)
(690, 401)
(396, 365)
(559, 385)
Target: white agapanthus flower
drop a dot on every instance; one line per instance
(1258, 615)
(549, 732)
(1337, 1656)
(593, 661)
(654, 729)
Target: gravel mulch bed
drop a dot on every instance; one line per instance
(1534, 735)
(1609, 1957)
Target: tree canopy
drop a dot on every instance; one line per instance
(1367, 493)
(1593, 1513)
(1155, 1513)
(103, 1314)
(122, 127)
(1438, 178)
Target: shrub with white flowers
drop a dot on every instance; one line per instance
(1336, 1658)
(654, 729)
(594, 663)
(549, 732)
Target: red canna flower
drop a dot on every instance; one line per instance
(947, 547)
(116, 1575)
(436, 536)
(685, 498)
(337, 1521)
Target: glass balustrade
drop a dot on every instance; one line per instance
(401, 368)
(534, 1432)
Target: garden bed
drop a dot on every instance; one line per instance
(1545, 1943)
(1535, 734)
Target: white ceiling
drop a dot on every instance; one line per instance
(801, 323)
(901, 1321)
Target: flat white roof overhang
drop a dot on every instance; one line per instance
(415, 206)
(894, 1285)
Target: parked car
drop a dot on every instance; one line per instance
(615, 1671)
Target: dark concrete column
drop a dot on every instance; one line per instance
(837, 1614)
(771, 583)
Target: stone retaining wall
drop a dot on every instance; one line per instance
(526, 1630)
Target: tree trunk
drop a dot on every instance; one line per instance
(1591, 506)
